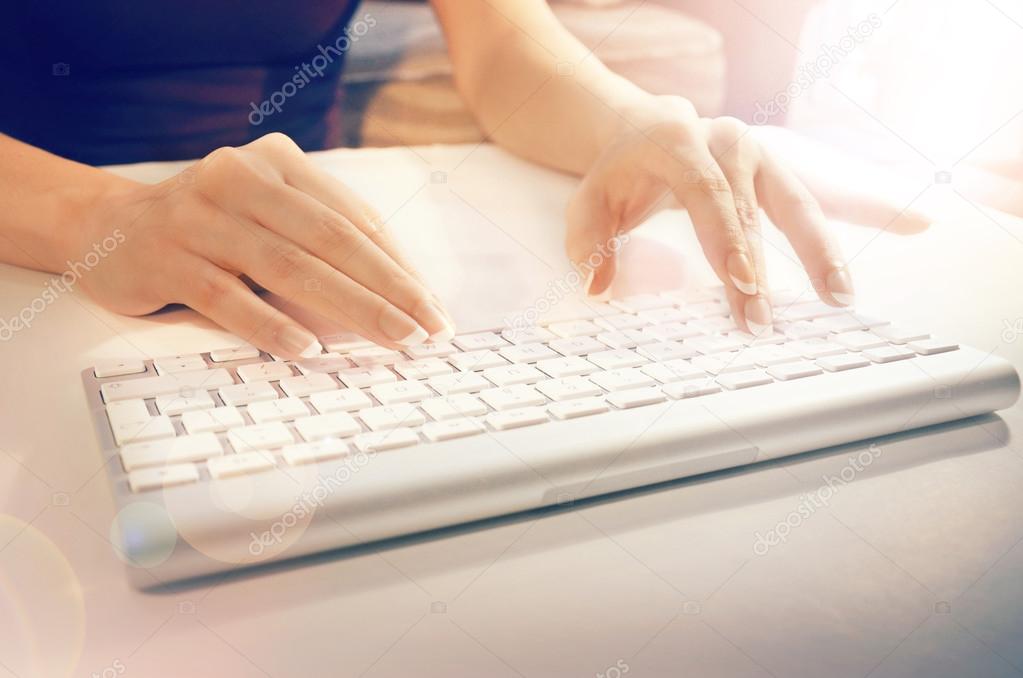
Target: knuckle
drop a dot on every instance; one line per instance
(209, 290)
(713, 185)
(276, 141)
(729, 127)
(286, 262)
(217, 169)
(748, 212)
(335, 233)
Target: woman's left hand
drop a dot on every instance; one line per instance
(716, 170)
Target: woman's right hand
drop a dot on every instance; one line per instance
(265, 211)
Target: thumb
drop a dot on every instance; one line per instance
(591, 238)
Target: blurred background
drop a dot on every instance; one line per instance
(892, 91)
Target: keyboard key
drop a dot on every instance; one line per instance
(755, 341)
(151, 387)
(736, 380)
(459, 382)
(527, 353)
(178, 450)
(623, 338)
(581, 407)
(476, 360)
(259, 437)
(179, 404)
(621, 321)
(223, 355)
(125, 412)
(666, 350)
(437, 431)
(152, 428)
(574, 328)
(118, 368)
(802, 330)
(706, 309)
(897, 334)
(845, 322)
(360, 377)
(525, 416)
(766, 356)
(568, 388)
(374, 356)
(263, 371)
(379, 441)
(858, 341)
(319, 450)
(284, 409)
(635, 397)
(576, 346)
(323, 363)
(621, 379)
(713, 344)
(816, 348)
(661, 316)
(715, 325)
(479, 341)
(931, 346)
(164, 476)
(307, 384)
(527, 335)
(797, 370)
(572, 366)
(616, 359)
(641, 302)
(215, 420)
(723, 363)
(179, 363)
(454, 407)
(344, 343)
(671, 332)
(689, 297)
(691, 389)
(336, 425)
(845, 361)
(439, 350)
(423, 368)
(672, 371)
(401, 392)
(243, 394)
(510, 397)
(888, 354)
(392, 416)
(809, 310)
(342, 400)
(231, 465)
(513, 374)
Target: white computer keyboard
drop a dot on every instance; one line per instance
(194, 418)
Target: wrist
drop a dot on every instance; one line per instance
(81, 218)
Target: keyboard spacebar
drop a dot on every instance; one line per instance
(168, 384)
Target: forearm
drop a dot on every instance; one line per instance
(45, 199)
(533, 87)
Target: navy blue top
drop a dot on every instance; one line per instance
(109, 81)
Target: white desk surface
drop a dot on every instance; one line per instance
(913, 568)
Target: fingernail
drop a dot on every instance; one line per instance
(397, 326)
(840, 286)
(740, 270)
(758, 316)
(588, 283)
(433, 316)
(299, 342)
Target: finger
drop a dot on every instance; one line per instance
(298, 171)
(286, 269)
(226, 300)
(699, 184)
(796, 213)
(333, 238)
(590, 223)
(238, 186)
(738, 160)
